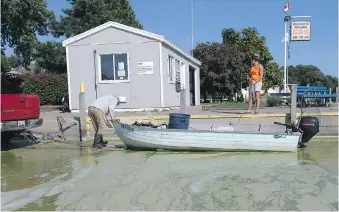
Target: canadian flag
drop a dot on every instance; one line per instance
(287, 6)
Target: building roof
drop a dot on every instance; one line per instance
(140, 32)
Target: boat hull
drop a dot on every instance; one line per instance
(146, 138)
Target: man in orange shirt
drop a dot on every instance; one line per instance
(255, 86)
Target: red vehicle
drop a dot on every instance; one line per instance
(19, 112)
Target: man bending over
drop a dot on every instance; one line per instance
(98, 111)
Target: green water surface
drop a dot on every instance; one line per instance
(65, 177)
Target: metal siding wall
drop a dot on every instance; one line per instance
(142, 91)
(171, 97)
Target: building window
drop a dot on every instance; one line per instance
(177, 70)
(171, 69)
(114, 67)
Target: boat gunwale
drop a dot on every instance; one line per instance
(144, 128)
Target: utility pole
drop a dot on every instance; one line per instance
(192, 44)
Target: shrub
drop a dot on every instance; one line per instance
(273, 101)
(49, 87)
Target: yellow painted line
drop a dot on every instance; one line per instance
(215, 116)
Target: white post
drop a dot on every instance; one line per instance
(285, 58)
(293, 90)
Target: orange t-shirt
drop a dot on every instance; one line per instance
(255, 73)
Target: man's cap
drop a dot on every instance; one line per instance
(118, 98)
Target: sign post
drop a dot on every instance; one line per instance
(299, 31)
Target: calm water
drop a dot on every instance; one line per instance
(61, 177)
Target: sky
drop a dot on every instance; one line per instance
(172, 18)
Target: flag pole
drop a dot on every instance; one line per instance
(286, 38)
(285, 58)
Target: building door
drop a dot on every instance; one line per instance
(192, 86)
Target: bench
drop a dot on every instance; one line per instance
(308, 92)
(315, 92)
(319, 90)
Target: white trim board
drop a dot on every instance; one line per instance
(136, 109)
(68, 80)
(140, 32)
(196, 86)
(161, 76)
(170, 58)
(109, 43)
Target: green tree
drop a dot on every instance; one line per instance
(250, 42)
(51, 56)
(312, 76)
(85, 15)
(9, 84)
(231, 36)
(20, 21)
(331, 82)
(306, 75)
(7, 63)
(273, 76)
(221, 68)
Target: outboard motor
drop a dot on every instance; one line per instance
(309, 127)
